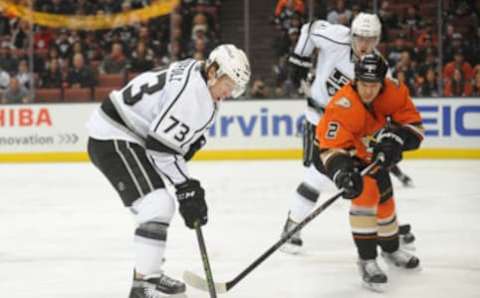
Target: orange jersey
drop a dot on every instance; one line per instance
(350, 124)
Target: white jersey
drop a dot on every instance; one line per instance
(163, 110)
(335, 64)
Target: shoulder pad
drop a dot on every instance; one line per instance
(334, 33)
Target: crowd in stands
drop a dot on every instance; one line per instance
(88, 64)
(409, 42)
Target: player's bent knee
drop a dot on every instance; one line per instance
(157, 205)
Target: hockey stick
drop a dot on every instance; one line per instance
(222, 287)
(210, 284)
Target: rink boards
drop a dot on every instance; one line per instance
(256, 129)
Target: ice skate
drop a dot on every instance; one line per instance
(406, 181)
(157, 286)
(406, 237)
(402, 259)
(373, 277)
(294, 244)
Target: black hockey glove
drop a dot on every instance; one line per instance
(350, 181)
(194, 147)
(340, 168)
(191, 198)
(388, 148)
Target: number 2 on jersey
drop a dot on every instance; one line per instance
(332, 130)
(180, 132)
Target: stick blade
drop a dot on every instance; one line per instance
(200, 283)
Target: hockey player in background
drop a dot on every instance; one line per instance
(371, 118)
(152, 127)
(338, 49)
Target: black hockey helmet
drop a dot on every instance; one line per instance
(371, 68)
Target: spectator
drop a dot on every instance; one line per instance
(24, 75)
(412, 20)
(404, 65)
(15, 93)
(453, 46)
(93, 48)
(259, 89)
(458, 63)
(290, 5)
(116, 62)
(43, 38)
(356, 9)
(4, 80)
(386, 14)
(476, 85)
(457, 85)
(475, 47)
(289, 10)
(20, 35)
(80, 76)
(395, 51)
(427, 61)
(404, 79)
(64, 46)
(338, 13)
(428, 86)
(8, 61)
(154, 44)
(52, 77)
(142, 58)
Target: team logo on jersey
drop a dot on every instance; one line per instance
(343, 102)
(335, 81)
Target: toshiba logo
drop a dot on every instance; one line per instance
(25, 117)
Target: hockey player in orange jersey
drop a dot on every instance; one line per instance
(368, 119)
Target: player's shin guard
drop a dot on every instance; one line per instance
(387, 226)
(364, 230)
(302, 204)
(150, 242)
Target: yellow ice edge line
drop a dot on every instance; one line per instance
(437, 153)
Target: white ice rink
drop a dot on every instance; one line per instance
(65, 234)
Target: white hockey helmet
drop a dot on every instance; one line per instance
(233, 62)
(366, 25)
(365, 31)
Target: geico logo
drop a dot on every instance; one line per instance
(24, 117)
(447, 120)
(262, 124)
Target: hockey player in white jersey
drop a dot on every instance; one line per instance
(338, 49)
(149, 129)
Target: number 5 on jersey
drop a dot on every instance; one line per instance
(178, 129)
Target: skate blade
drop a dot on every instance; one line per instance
(291, 249)
(162, 295)
(379, 288)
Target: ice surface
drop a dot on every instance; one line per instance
(65, 234)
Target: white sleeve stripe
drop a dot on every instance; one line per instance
(306, 40)
(175, 167)
(177, 97)
(331, 40)
(152, 160)
(179, 169)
